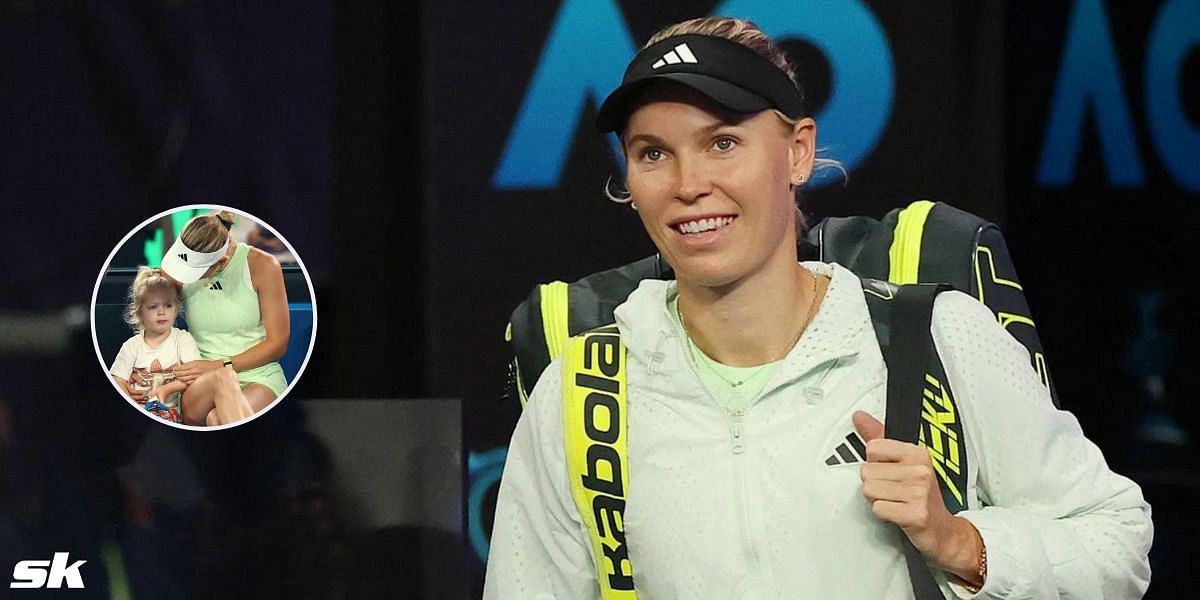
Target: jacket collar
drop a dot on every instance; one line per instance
(656, 341)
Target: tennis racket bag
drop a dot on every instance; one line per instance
(925, 242)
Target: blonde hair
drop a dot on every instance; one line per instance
(146, 281)
(208, 233)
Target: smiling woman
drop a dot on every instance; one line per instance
(704, 177)
(743, 373)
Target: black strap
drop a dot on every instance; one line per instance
(907, 355)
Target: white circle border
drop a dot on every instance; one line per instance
(312, 338)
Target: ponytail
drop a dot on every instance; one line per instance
(208, 233)
(226, 218)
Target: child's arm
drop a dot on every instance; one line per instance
(165, 390)
(122, 370)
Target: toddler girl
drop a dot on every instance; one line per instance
(145, 365)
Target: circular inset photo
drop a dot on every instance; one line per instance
(203, 317)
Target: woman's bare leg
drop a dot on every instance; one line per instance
(198, 398)
(216, 398)
(230, 403)
(259, 396)
(249, 400)
(215, 395)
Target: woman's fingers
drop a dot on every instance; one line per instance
(908, 515)
(893, 491)
(894, 451)
(916, 474)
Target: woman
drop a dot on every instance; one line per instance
(745, 372)
(237, 310)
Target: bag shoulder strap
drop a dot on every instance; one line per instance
(920, 405)
(595, 438)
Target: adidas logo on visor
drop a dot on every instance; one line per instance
(681, 54)
(183, 257)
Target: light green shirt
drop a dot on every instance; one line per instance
(732, 387)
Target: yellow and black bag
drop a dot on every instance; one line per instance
(925, 242)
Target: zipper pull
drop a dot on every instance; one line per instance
(656, 355)
(737, 441)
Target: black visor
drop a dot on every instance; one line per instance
(727, 72)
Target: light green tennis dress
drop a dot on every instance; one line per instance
(223, 316)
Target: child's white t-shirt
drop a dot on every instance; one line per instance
(136, 354)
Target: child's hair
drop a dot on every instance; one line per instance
(147, 279)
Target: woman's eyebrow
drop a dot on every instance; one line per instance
(715, 127)
(643, 137)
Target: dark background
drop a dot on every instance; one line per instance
(370, 135)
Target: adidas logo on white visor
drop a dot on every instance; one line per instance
(681, 54)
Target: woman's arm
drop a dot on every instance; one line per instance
(539, 548)
(267, 276)
(1055, 520)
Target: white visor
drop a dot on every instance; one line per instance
(186, 265)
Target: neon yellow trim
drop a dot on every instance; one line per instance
(954, 491)
(554, 317)
(1007, 319)
(991, 272)
(905, 254)
(508, 332)
(595, 429)
(940, 440)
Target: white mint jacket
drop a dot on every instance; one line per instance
(760, 515)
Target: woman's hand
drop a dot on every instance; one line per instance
(189, 371)
(902, 487)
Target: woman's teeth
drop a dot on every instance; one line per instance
(703, 225)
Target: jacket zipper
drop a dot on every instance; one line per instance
(738, 447)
